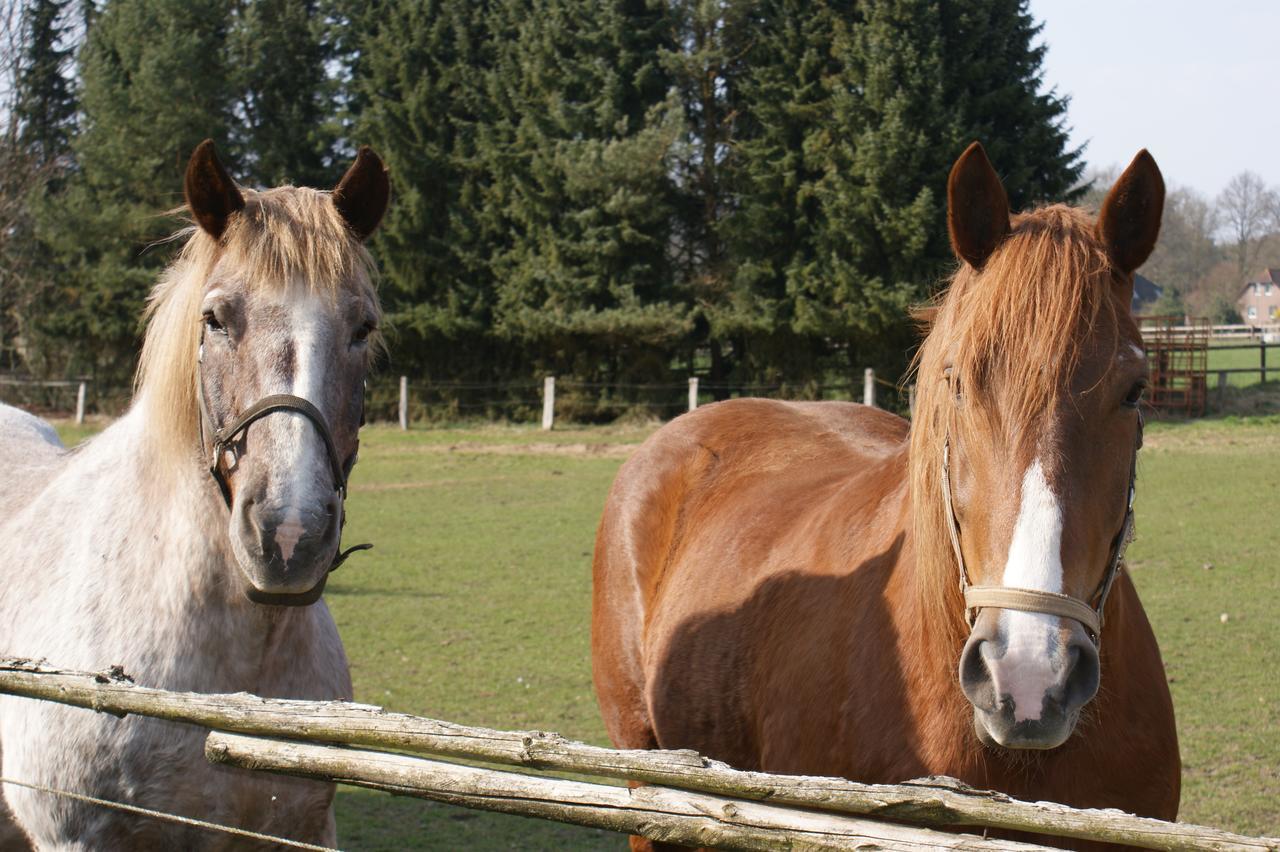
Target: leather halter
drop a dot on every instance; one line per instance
(222, 443)
(1035, 600)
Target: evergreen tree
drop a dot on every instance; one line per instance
(421, 90)
(583, 131)
(880, 237)
(992, 74)
(45, 105)
(154, 85)
(780, 157)
(286, 122)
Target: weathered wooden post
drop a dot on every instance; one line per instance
(404, 403)
(548, 401)
(80, 404)
(869, 387)
(1262, 349)
(693, 392)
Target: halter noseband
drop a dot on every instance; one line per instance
(1035, 600)
(222, 443)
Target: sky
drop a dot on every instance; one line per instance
(1196, 83)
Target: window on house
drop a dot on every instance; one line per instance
(1253, 312)
(1268, 290)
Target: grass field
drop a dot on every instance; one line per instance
(1233, 359)
(474, 606)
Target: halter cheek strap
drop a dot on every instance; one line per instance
(222, 443)
(1035, 600)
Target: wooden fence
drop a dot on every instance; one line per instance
(686, 798)
(870, 381)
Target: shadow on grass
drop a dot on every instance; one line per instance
(369, 821)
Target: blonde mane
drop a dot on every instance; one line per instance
(1012, 333)
(284, 235)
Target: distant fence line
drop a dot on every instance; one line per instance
(695, 391)
(406, 399)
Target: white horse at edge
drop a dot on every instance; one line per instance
(127, 551)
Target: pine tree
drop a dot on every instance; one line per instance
(779, 159)
(583, 135)
(286, 125)
(993, 72)
(45, 105)
(880, 241)
(154, 84)
(420, 85)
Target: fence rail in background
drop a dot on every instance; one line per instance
(78, 384)
(931, 802)
(667, 404)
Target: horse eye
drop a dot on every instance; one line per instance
(211, 323)
(1134, 396)
(361, 334)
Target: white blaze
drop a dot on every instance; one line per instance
(1034, 562)
(303, 450)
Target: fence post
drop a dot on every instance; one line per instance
(404, 403)
(911, 399)
(548, 401)
(1262, 348)
(869, 387)
(693, 392)
(80, 404)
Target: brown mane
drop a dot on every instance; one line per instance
(282, 237)
(1040, 295)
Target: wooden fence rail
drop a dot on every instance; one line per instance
(659, 813)
(932, 803)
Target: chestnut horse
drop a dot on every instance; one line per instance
(793, 587)
(189, 542)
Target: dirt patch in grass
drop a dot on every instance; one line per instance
(578, 450)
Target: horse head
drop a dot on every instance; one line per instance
(282, 310)
(1031, 382)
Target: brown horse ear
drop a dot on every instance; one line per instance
(361, 196)
(1129, 223)
(211, 194)
(977, 207)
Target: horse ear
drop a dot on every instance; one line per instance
(361, 196)
(1129, 223)
(211, 194)
(977, 207)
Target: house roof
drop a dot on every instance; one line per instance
(1145, 291)
(1270, 275)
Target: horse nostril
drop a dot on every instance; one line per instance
(1083, 676)
(975, 676)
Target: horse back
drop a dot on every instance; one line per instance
(29, 447)
(731, 476)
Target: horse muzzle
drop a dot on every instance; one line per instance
(1027, 686)
(285, 549)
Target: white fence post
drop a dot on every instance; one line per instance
(911, 399)
(548, 401)
(80, 404)
(404, 403)
(869, 387)
(693, 392)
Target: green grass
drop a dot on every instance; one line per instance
(474, 606)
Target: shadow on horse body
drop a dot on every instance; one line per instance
(126, 551)
(775, 584)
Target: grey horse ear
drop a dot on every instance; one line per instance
(977, 207)
(362, 194)
(212, 195)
